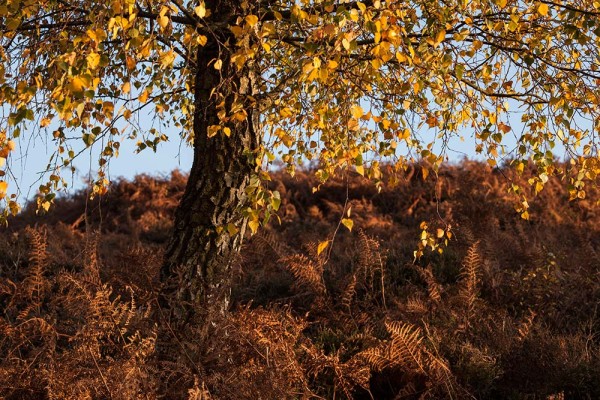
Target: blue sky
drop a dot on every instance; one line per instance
(31, 158)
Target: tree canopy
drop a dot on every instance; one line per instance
(339, 82)
(344, 84)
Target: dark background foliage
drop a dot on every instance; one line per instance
(509, 309)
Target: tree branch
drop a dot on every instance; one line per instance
(287, 14)
(30, 25)
(572, 8)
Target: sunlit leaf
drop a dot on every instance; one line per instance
(322, 246)
(251, 20)
(200, 10)
(348, 223)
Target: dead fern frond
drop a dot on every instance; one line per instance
(371, 265)
(526, 325)
(368, 256)
(406, 345)
(348, 294)
(376, 358)
(416, 305)
(35, 284)
(38, 244)
(367, 248)
(404, 350)
(256, 351)
(469, 276)
(199, 391)
(266, 242)
(434, 289)
(91, 266)
(346, 375)
(408, 350)
(306, 274)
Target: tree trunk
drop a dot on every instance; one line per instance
(198, 259)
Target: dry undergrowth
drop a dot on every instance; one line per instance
(508, 311)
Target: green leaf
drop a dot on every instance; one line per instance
(459, 70)
(275, 201)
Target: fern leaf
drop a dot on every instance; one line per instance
(406, 345)
(434, 289)
(469, 276)
(306, 274)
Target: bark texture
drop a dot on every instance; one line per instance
(198, 258)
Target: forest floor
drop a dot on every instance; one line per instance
(509, 310)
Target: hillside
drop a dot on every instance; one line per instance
(509, 310)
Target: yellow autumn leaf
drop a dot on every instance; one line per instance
(251, 20)
(404, 134)
(401, 57)
(417, 86)
(348, 223)
(543, 9)
(268, 29)
(201, 40)
(93, 60)
(200, 10)
(439, 38)
(77, 84)
(46, 205)
(286, 112)
(357, 111)
(92, 35)
(346, 44)
(143, 97)
(254, 225)
(520, 167)
(213, 130)
(232, 230)
(163, 21)
(45, 122)
(322, 246)
(167, 58)
(12, 23)
(236, 30)
(218, 64)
